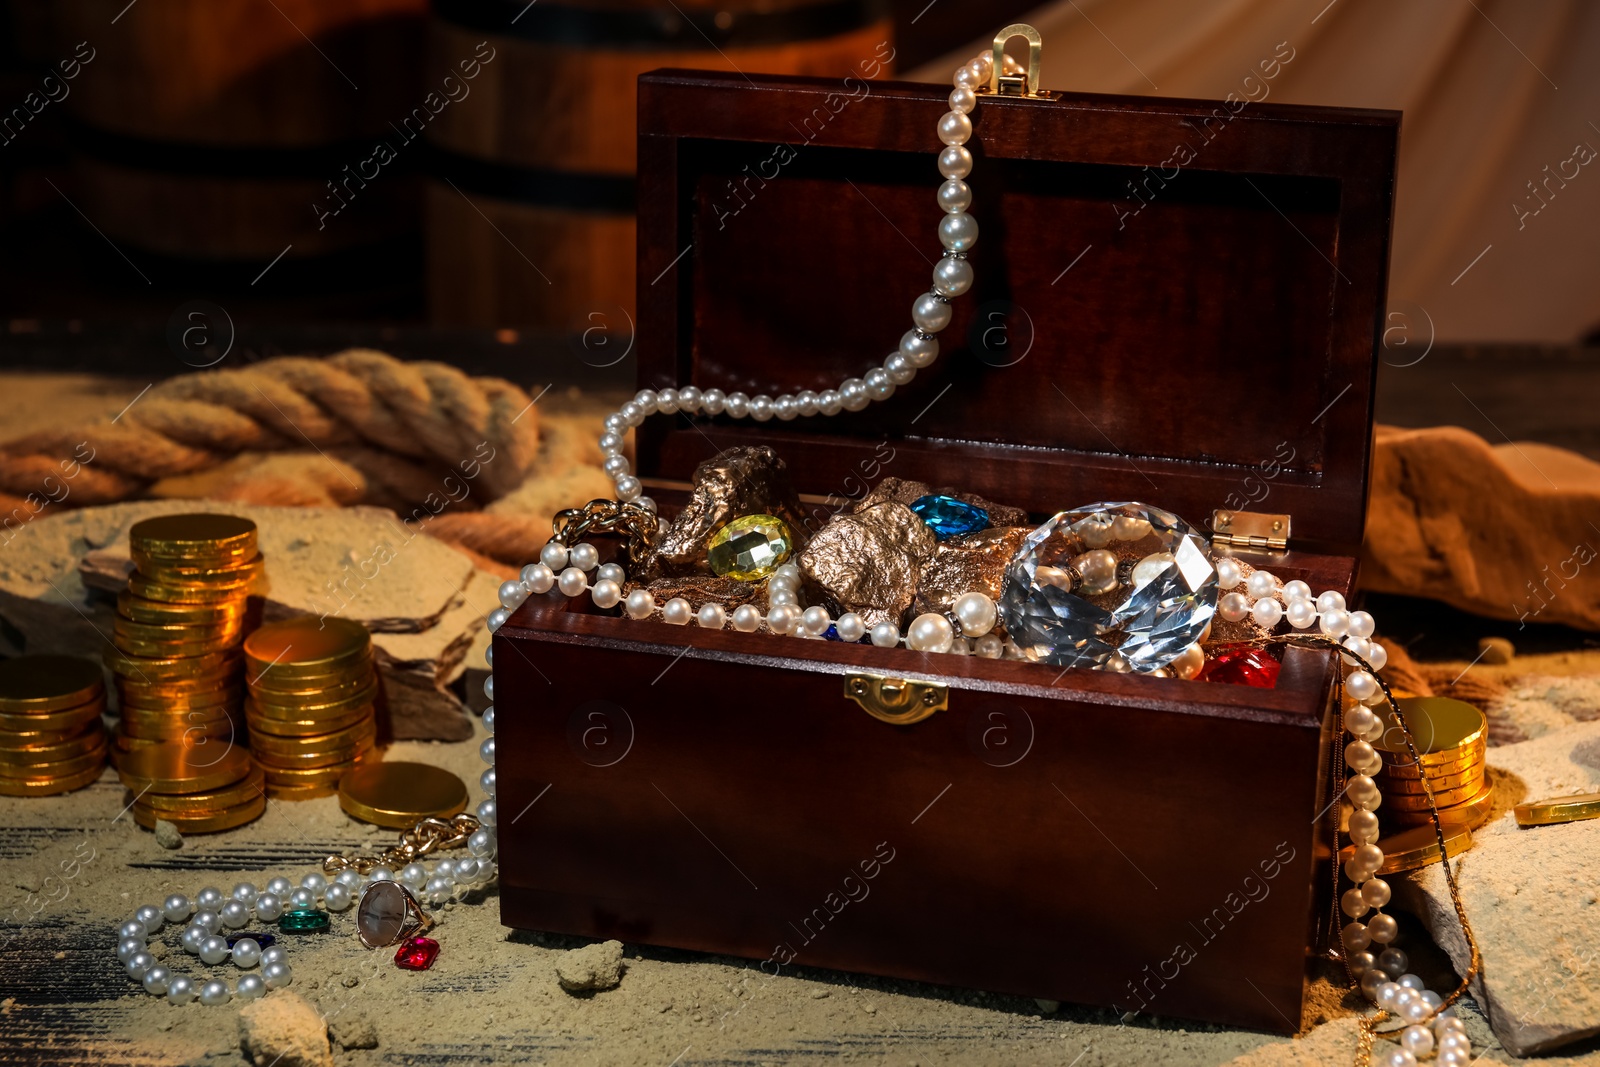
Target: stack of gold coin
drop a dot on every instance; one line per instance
(1452, 746)
(178, 628)
(311, 708)
(51, 736)
(207, 785)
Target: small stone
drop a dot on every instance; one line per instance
(28, 883)
(282, 1029)
(1496, 650)
(948, 516)
(819, 994)
(167, 835)
(593, 967)
(749, 548)
(351, 1029)
(416, 953)
(1049, 1007)
(349, 981)
(63, 955)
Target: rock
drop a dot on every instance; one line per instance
(1530, 897)
(351, 1029)
(593, 967)
(167, 835)
(1049, 1007)
(424, 601)
(868, 561)
(1456, 520)
(1496, 650)
(740, 481)
(282, 1029)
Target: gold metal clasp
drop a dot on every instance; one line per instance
(1001, 83)
(898, 701)
(1258, 531)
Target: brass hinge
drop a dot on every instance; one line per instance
(1022, 84)
(899, 701)
(1258, 531)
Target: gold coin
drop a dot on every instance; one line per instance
(132, 646)
(1470, 813)
(1438, 725)
(202, 575)
(47, 787)
(271, 746)
(159, 613)
(1559, 810)
(177, 631)
(42, 683)
(313, 760)
(362, 698)
(202, 823)
(305, 727)
(86, 739)
(231, 697)
(179, 730)
(307, 646)
(300, 792)
(55, 720)
(1442, 798)
(276, 687)
(308, 777)
(1415, 847)
(157, 693)
(26, 740)
(62, 768)
(1453, 761)
(199, 535)
(398, 794)
(217, 800)
(1402, 786)
(139, 585)
(148, 670)
(177, 767)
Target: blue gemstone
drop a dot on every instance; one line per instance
(948, 517)
(265, 940)
(832, 633)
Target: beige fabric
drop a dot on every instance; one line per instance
(1493, 92)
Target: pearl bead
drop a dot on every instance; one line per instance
(1393, 961)
(213, 950)
(538, 577)
(965, 78)
(209, 899)
(488, 688)
(677, 611)
(736, 405)
(1266, 612)
(486, 781)
(481, 844)
(829, 402)
(338, 897)
(958, 232)
(761, 407)
(273, 954)
(853, 394)
(129, 946)
(553, 555)
(1189, 662)
(1360, 963)
(1229, 573)
(246, 953)
(955, 161)
(879, 387)
(885, 635)
(192, 939)
(156, 978)
(1352, 904)
(930, 313)
(930, 633)
(1399, 1057)
(1355, 936)
(1335, 623)
(1296, 590)
(951, 277)
(850, 627)
(955, 128)
(615, 423)
(584, 556)
(606, 594)
(976, 613)
(302, 898)
(437, 890)
(806, 401)
(1330, 601)
(1261, 584)
(989, 646)
(1368, 857)
(1233, 607)
(689, 399)
(149, 916)
(616, 466)
(899, 368)
(468, 870)
(711, 616)
(353, 879)
(632, 412)
(667, 401)
(611, 443)
(955, 195)
(963, 99)
(788, 573)
(497, 618)
(572, 582)
(1383, 928)
(1362, 686)
(1418, 1040)
(646, 399)
(1361, 722)
(640, 604)
(1371, 981)
(921, 350)
(209, 921)
(1377, 655)
(712, 401)
(276, 975)
(782, 618)
(1362, 624)
(180, 989)
(746, 618)
(629, 489)
(1389, 994)
(611, 572)
(814, 620)
(235, 914)
(250, 987)
(1360, 755)
(785, 407)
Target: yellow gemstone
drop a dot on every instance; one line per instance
(749, 548)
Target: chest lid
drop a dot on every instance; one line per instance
(1176, 301)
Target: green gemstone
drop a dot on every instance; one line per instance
(303, 921)
(749, 548)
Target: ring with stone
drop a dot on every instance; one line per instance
(389, 914)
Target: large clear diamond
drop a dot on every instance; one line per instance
(1114, 578)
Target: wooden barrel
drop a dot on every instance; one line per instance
(530, 199)
(230, 130)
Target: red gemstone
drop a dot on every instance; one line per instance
(417, 953)
(1242, 666)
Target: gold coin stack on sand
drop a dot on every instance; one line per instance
(178, 628)
(311, 708)
(199, 786)
(52, 738)
(1452, 748)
